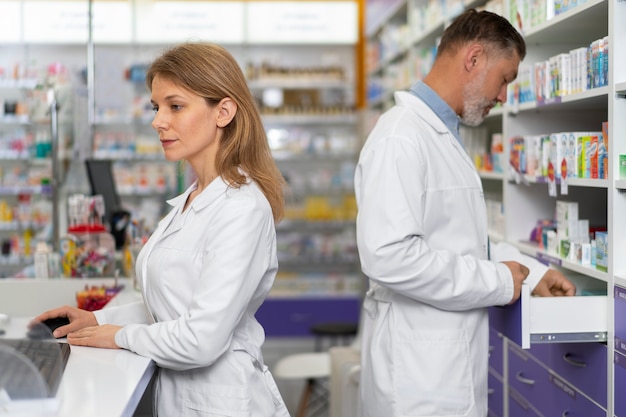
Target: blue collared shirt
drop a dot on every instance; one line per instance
(440, 107)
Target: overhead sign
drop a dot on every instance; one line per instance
(55, 21)
(10, 21)
(302, 22)
(176, 21)
(112, 21)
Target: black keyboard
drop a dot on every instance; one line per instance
(49, 357)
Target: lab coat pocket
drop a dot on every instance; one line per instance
(433, 375)
(212, 400)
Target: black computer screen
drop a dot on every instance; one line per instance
(102, 182)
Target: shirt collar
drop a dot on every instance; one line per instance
(440, 107)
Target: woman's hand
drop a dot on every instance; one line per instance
(78, 319)
(96, 336)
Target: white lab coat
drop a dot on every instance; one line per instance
(422, 240)
(204, 273)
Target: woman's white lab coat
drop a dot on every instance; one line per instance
(204, 273)
(422, 240)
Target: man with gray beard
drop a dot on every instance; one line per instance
(422, 234)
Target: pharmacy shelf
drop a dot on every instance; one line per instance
(554, 259)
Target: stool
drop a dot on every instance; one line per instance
(314, 367)
(337, 333)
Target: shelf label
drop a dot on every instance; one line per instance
(620, 345)
(549, 101)
(302, 22)
(548, 259)
(178, 21)
(619, 360)
(10, 21)
(56, 22)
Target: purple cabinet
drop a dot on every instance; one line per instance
(619, 387)
(293, 317)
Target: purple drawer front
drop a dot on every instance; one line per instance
(563, 400)
(528, 378)
(583, 365)
(520, 406)
(293, 317)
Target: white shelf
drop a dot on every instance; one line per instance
(554, 259)
(582, 24)
(620, 184)
(304, 83)
(491, 175)
(572, 182)
(303, 119)
(620, 280)
(429, 35)
(589, 99)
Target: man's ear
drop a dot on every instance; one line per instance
(227, 109)
(473, 54)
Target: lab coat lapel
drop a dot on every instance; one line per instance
(431, 118)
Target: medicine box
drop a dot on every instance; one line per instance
(602, 252)
(567, 220)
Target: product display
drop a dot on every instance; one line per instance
(88, 249)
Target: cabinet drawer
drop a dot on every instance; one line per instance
(520, 406)
(547, 392)
(584, 365)
(619, 388)
(552, 319)
(295, 316)
(561, 399)
(496, 395)
(496, 352)
(528, 378)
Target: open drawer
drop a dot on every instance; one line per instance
(552, 319)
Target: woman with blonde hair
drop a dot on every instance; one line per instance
(211, 261)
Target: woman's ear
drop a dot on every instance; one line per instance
(227, 109)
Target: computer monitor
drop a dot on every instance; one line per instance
(102, 182)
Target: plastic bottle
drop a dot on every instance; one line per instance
(42, 252)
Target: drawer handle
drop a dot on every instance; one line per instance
(519, 376)
(490, 391)
(569, 358)
(565, 413)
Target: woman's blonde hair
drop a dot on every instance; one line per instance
(212, 72)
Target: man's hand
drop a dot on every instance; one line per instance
(519, 273)
(554, 284)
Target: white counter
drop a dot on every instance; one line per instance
(96, 382)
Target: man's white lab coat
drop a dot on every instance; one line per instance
(204, 272)
(422, 240)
